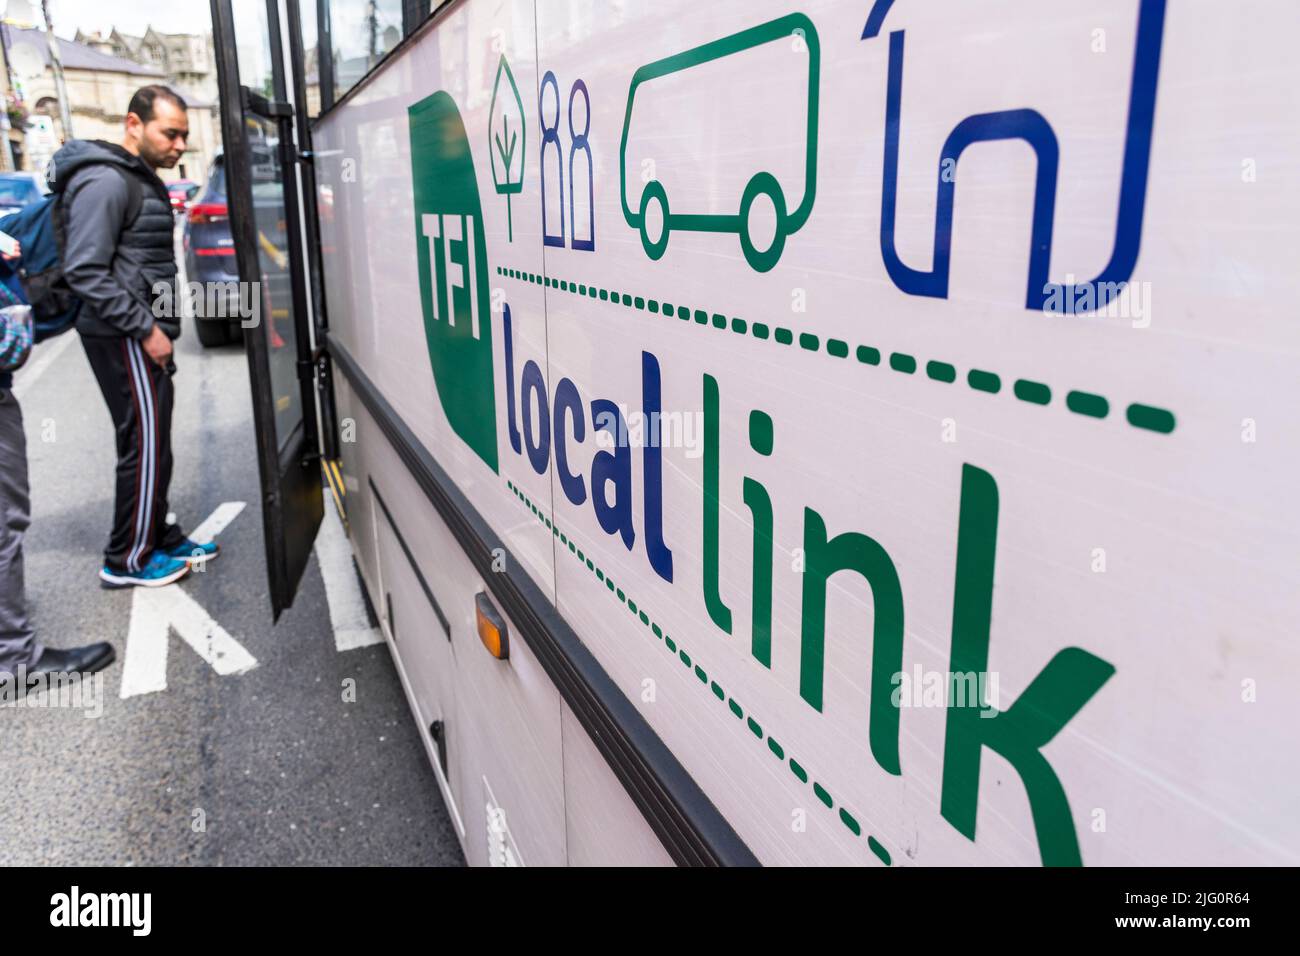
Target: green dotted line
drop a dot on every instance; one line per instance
(1088, 404)
(777, 751)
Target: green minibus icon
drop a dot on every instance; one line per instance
(656, 208)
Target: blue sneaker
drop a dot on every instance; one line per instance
(193, 553)
(160, 569)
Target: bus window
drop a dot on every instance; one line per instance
(363, 32)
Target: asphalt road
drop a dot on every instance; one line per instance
(272, 766)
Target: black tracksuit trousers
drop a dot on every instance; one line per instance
(139, 397)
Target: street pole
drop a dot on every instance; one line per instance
(65, 112)
(372, 24)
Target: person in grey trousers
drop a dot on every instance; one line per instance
(21, 655)
(18, 646)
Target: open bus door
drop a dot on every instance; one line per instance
(265, 186)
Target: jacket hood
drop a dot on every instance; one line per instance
(75, 154)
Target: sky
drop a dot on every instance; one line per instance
(129, 16)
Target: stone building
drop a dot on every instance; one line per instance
(100, 84)
(187, 59)
(188, 62)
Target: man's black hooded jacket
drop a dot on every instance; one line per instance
(117, 268)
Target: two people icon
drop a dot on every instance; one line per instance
(581, 170)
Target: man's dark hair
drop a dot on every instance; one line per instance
(142, 102)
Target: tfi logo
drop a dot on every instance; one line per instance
(453, 272)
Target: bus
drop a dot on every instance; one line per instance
(948, 518)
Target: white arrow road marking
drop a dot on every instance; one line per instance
(216, 522)
(342, 590)
(155, 613)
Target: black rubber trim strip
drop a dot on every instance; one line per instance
(410, 559)
(690, 827)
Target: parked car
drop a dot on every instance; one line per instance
(210, 254)
(210, 259)
(20, 189)
(182, 193)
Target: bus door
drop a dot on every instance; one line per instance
(265, 189)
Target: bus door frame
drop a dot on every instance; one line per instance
(291, 484)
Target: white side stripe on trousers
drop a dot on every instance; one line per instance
(133, 378)
(144, 500)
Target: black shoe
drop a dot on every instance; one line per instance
(74, 660)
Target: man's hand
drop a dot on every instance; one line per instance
(158, 346)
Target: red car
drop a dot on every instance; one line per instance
(182, 191)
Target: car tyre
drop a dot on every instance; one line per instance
(212, 334)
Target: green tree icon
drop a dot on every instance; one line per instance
(506, 141)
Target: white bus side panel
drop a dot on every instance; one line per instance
(1119, 486)
(502, 718)
(371, 242)
(605, 827)
(1169, 557)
